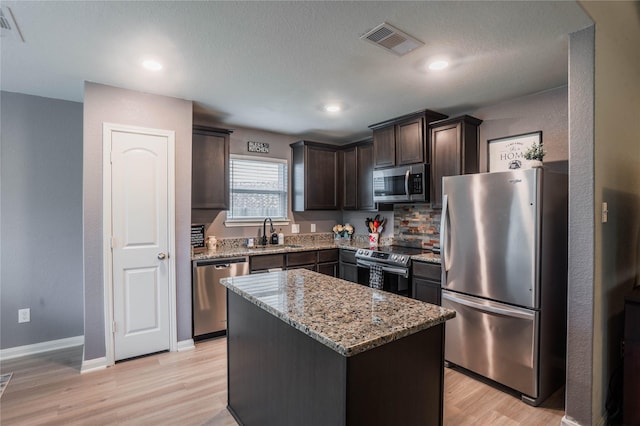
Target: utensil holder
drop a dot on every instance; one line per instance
(373, 239)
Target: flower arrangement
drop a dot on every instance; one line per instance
(343, 231)
(535, 152)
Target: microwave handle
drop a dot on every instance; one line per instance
(406, 182)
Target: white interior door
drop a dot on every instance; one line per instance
(140, 212)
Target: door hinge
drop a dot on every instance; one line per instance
(111, 157)
(112, 242)
(113, 327)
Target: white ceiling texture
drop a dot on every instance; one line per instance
(273, 65)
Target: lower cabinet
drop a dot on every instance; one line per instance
(426, 282)
(323, 261)
(264, 262)
(348, 267)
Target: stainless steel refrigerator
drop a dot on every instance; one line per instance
(504, 271)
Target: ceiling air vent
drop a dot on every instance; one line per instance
(8, 26)
(392, 39)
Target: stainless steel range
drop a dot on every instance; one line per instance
(386, 267)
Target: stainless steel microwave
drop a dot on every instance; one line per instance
(401, 184)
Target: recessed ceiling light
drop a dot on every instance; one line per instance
(333, 108)
(438, 65)
(152, 65)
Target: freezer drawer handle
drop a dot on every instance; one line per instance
(500, 311)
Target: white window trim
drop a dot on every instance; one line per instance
(236, 223)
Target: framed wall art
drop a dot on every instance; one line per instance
(508, 153)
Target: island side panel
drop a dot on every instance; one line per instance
(400, 383)
(278, 375)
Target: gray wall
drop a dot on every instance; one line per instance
(278, 148)
(41, 219)
(114, 105)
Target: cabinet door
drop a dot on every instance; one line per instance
(445, 158)
(365, 177)
(427, 291)
(330, 269)
(321, 178)
(410, 141)
(384, 147)
(350, 173)
(349, 272)
(210, 171)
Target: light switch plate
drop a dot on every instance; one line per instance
(313, 227)
(605, 212)
(295, 228)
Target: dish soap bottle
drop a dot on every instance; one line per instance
(280, 237)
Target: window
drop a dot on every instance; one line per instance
(258, 189)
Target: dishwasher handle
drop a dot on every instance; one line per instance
(220, 263)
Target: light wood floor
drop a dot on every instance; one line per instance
(189, 388)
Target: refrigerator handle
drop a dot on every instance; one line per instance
(492, 309)
(444, 237)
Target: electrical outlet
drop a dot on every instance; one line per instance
(313, 227)
(605, 212)
(24, 315)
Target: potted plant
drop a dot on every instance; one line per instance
(535, 154)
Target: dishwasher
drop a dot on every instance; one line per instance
(209, 296)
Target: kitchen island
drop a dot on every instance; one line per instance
(306, 348)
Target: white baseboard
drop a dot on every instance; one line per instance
(186, 345)
(37, 348)
(91, 365)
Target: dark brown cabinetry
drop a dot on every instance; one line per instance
(348, 267)
(426, 282)
(323, 261)
(315, 176)
(328, 262)
(262, 263)
(454, 151)
(210, 168)
(403, 140)
(357, 168)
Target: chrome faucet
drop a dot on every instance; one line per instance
(265, 240)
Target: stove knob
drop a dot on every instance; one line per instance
(359, 251)
(401, 258)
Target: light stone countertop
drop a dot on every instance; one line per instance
(347, 317)
(221, 253)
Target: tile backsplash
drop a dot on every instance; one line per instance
(416, 225)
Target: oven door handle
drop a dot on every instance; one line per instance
(385, 268)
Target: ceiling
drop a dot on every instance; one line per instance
(273, 65)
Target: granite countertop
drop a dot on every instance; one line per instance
(226, 252)
(427, 257)
(347, 317)
(274, 249)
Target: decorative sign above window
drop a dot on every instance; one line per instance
(261, 147)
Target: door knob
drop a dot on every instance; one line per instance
(162, 256)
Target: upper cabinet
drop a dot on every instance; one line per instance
(315, 176)
(357, 168)
(210, 168)
(403, 140)
(454, 151)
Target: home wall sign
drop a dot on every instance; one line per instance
(508, 153)
(261, 147)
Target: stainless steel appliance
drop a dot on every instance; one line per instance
(209, 296)
(401, 184)
(503, 244)
(393, 262)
